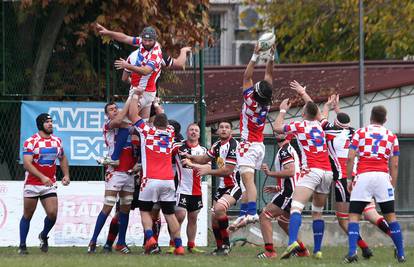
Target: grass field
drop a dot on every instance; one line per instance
(240, 256)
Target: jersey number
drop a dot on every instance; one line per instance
(164, 142)
(316, 137)
(377, 138)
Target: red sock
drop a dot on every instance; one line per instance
(269, 247)
(383, 226)
(223, 225)
(113, 231)
(362, 243)
(190, 244)
(302, 246)
(217, 236)
(172, 244)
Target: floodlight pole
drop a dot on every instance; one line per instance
(361, 64)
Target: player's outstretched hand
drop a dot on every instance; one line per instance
(271, 189)
(65, 180)
(297, 87)
(102, 30)
(265, 168)
(120, 64)
(285, 104)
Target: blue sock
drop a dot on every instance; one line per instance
(294, 224)
(178, 242)
(100, 221)
(148, 234)
(318, 229)
(24, 230)
(353, 236)
(120, 140)
(123, 226)
(251, 208)
(47, 226)
(397, 237)
(243, 209)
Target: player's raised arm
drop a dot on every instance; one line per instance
(278, 125)
(301, 90)
(248, 73)
(118, 120)
(269, 67)
(133, 109)
(179, 62)
(328, 106)
(118, 36)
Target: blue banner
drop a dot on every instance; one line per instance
(79, 125)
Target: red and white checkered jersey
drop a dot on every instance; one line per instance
(126, 158)
(156, 151)
(252, 118)
(338, 140)
(311, 140)
(375, 145)
(45, 151)
(143, 57)
(223, 153)
(285, 155)
(189, 182)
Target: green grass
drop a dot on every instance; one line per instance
(240, 257)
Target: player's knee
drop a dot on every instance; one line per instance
(266, 215)
(126, 200)
(246, 170)
(296, 207)
(317, 212)
(221, 207)
(110, 201)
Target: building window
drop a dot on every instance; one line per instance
(212, 54)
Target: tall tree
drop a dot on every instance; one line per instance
(177, 22)
(327, 30)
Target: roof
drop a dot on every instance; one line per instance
(223, 84)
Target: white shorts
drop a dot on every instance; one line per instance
(370, 185)
(318, 180)
(146, 99)
(250, 154)
(155, 190)
(38, 190)
(120, 181)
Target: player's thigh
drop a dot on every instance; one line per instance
(50, 204)
(342, 207)
(324, 186)
(302, 194)
(272, 211)
(29, 206)
(341, 192)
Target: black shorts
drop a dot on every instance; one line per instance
(189, 202)
(283, 200)
(234, 191)
(135, 196)
(341, 191)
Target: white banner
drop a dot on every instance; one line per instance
(79, 206)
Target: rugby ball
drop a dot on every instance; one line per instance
(266, 41)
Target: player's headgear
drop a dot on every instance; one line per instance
(343, 120)
(263, 92)
(42, 118)
(149, 33)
